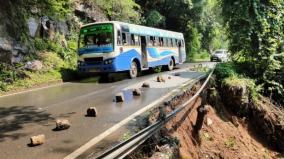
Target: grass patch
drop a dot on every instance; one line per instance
(230, 143)
(34, 79)
(224, 70)
(15, 78)
(247, 84)
(126, 136)
(230, 75)
(207, 137)
(200, 68)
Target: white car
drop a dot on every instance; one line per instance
(220, 55)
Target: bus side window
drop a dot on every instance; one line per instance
(160, 41)
(156, 41)
(165, 42)
(171, 43)
(128, 38)
(119, 39)
(174, 42)
(132, 39)
(151, 42)
(124, 39)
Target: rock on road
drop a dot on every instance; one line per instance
(28, 114)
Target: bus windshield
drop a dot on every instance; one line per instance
(98, 37)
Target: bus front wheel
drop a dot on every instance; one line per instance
(133, 72)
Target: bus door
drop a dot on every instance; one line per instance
(179, 52)
(144, 52)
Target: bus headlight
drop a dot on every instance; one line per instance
(108, 61)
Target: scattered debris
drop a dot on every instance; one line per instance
(161, 79)
(34, 65)
(37, 140)
(9, 80)
(243, 122)
(235, 121)
(119, 97)
(177, 74)
(207, 137)
(208, 109)
(137, 92)
(146, 85)
(169, 77)
(62, 124)
(92, 111)
(208, 121)
(165, 152)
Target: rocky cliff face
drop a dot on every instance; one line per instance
(12, 26)
(89, 12)
(20, 24)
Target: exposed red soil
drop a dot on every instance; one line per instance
(220, 139)
(221, 135)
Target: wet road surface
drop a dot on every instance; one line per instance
(32, 113)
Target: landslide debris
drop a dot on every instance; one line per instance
(223, 132)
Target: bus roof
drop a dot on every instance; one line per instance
(141, 30)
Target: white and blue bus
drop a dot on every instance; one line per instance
(109, 47)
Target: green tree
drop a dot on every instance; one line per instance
(194, 45)
(120, 10)
(256, 36)
(155, 19)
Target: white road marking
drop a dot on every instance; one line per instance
(100, 137)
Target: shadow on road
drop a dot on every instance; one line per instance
(13, 119)
(112, 77)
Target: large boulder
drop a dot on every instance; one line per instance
(12, 51)
(37, 140)
(62, 124)
(5, 50)
(119, 97)
(35, 65)
(92, 112)
(47, 27)
(33, 26)
(62, 27)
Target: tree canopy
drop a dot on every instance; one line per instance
(256, 34)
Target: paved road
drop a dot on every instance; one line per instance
(32, 113)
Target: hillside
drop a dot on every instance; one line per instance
(38, 38)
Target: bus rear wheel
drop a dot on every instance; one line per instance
(170, 66)
(133, 72)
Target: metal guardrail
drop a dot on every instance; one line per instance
(123, 149)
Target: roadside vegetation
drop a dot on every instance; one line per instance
(53, 52)
(251, 30)
(256, 40)
(251, 84)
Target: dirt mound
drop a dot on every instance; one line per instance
(216, 133)
(266, 118)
